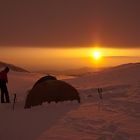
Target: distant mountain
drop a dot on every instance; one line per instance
(125, 67)
(73, 72)
(12, 67)
(77, 72)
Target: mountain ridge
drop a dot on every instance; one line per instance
(12, 67)
(123, 74)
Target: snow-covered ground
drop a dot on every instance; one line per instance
(115, 117)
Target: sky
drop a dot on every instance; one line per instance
(63, 33)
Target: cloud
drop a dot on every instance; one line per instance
(74, 23)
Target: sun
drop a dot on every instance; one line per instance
(97, 55)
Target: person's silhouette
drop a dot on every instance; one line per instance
(3, 86)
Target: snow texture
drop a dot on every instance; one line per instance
(115, 117)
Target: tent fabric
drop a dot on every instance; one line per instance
(51, 91)
(45, 78)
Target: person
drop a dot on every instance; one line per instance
(3, 86)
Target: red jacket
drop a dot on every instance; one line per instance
(3, 76)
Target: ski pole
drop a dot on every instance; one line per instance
(100, 90)
(14, 101)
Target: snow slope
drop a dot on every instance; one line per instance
(124, 74)
(115, 117)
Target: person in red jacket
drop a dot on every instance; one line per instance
(3, 86)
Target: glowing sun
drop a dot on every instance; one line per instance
(97, 55)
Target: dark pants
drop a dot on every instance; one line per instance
(4, 92)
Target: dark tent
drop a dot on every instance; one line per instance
(45, 78)
(51, 90)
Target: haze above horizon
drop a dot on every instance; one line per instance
(67, 58)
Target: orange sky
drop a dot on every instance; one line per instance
(32, 33)
(67, 58)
